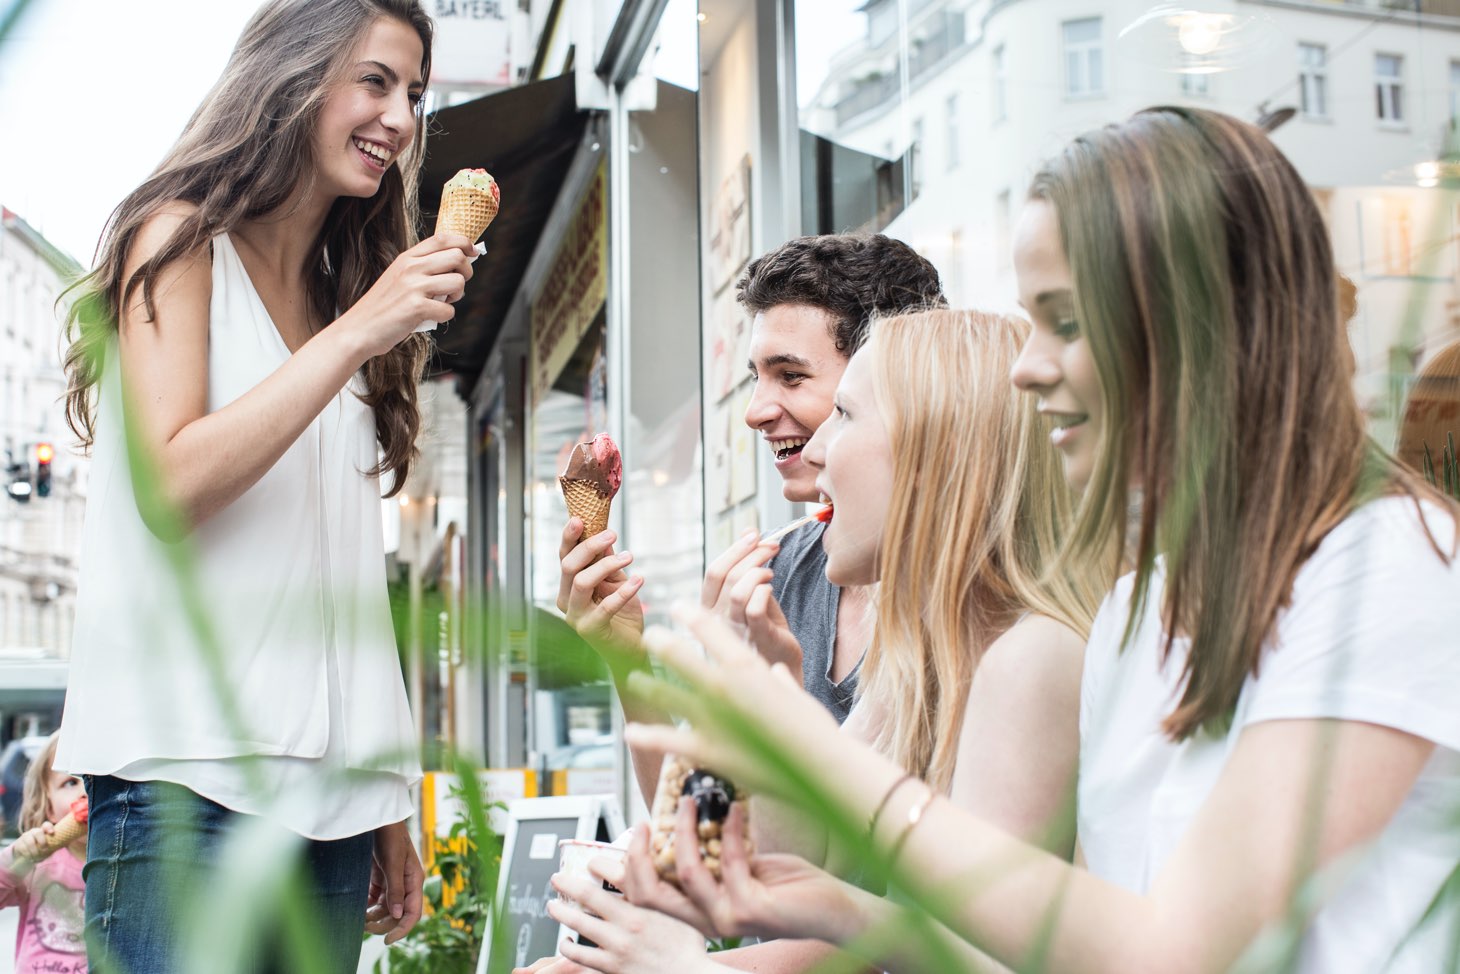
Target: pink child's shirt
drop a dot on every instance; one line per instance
(50, 938)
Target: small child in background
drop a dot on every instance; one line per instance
(46, 885)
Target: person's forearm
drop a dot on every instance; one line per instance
(213, 460)
(12, 877)
(1014, 901)
(1003, 896)
(789, 957)
(934, 946)
(646, 762)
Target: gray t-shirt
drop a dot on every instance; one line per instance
(810, 603)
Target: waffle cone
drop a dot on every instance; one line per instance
(68, 830)
(466, 211)
(585, 502)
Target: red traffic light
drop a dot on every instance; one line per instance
(44, 453)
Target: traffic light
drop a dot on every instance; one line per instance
(43, 457)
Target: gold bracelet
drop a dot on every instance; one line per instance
(914, 816)
(882, 805)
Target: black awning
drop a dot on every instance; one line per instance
(526, 137)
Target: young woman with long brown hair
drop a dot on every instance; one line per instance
(1269, 739)
(246, 371)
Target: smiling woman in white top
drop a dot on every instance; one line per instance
(1270, 742)
(246, 372)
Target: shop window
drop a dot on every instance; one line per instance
(1084, 58)
(1313, 80)
(1389, 88)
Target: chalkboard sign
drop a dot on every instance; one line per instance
(524, 932)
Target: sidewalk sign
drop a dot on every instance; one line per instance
(529, 858)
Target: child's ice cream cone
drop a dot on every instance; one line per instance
(593, 476)
(469, 203)
(71, 827)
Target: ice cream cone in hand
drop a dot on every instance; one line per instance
(71, 827)
(593, 476)
(38, 845)
(469, 203)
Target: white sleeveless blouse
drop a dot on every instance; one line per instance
(294, 706)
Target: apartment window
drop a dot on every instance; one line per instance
(1196, 80)
(1389, 87)
(952, 131)
(1084, 58)
(1313, 80)
(1003, 230)
(1000, 85)
(917, 156)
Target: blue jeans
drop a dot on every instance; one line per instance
(152, 871)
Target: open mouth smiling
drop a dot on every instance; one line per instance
(376, 153)
(786, 449)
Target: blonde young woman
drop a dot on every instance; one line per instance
(948, 497)
(1269, 738)
(246, 372)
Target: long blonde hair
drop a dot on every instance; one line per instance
(35, 800)
(973, 527)
(246, 152)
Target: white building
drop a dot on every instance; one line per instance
(991, 87)
(39, 536)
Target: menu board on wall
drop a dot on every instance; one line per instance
(574, 289)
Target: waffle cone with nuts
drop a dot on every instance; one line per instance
(469, 203)
(712, 796)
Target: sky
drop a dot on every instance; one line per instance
(94, 92)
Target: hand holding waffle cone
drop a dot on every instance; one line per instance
(469, 203)
(71, 827)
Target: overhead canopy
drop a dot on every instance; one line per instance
(526, 137)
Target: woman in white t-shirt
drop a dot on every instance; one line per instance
(245, 372)
(1270, 741)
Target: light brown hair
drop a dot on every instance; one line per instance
(35, 799)
(1204, 284)
(246, 152)
(974, 525)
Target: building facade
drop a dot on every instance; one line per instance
(45, 479)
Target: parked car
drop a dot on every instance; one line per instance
(15, 760)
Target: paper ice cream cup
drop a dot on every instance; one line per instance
(574, 855)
